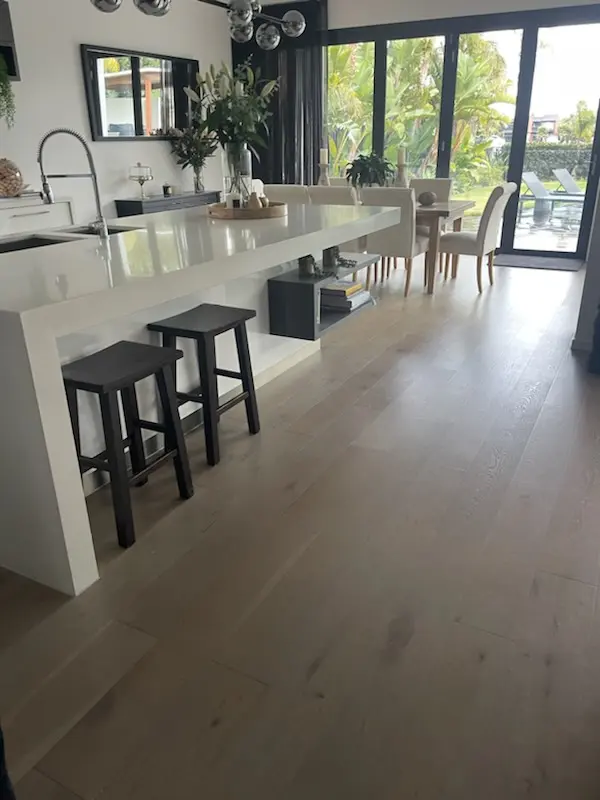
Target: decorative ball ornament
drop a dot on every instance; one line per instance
(238, 17)
(267, 36)
(242, 7)
(242, 34)
(293, 24)
(11, 180)
(153, 8)
(108, 6)
(427, 198)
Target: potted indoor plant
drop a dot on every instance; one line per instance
(193, 146)
(11, 180)
(235, 105)
(369, 170)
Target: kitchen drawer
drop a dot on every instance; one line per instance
(34, 218)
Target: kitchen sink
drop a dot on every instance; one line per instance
(90, 230)
(29, 242)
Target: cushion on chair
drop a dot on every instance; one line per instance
(421, 244)
(462, 243)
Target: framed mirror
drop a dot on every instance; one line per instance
(134, 95)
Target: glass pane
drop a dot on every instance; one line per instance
(158, 99)
(350, 74)
(116, 96)
(413, 94)
(562, 121)
(484, 113)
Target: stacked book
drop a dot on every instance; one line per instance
(344, 296)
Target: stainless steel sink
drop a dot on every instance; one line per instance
(90, 230)
(29, 242)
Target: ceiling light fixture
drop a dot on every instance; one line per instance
(242, 14)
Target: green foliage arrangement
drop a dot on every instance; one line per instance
(369, 170)
(7, 97)
(234, 104)
(194, 145)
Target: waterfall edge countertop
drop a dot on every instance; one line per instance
(50, 292)
(87, 281)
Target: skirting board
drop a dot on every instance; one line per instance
(581, 345)
(94, 480)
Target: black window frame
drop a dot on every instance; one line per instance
(184, 74)
(530, 22)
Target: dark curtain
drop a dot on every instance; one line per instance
(296, 127)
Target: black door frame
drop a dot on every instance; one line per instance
(451, 28)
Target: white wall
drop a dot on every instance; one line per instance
(51, 91)
(351, 13)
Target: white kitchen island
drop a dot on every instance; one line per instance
(66, 300)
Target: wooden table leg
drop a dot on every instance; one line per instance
(432, 253)
(457, 226)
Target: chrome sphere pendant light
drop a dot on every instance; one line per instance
(108, 6)
(243, 18)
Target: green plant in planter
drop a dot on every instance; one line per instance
(7, 97)
(369, 170)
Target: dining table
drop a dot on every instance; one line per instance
(434, 216)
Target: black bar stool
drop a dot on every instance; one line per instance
(203, 324)
(106, 373)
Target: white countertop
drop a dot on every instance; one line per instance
(85, 282)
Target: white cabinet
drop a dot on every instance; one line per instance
(25, 216)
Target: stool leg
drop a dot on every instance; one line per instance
(174, 432)
(132, 421)
(74, 414)
(119, 482)
(207, 363)
(241, 340)
(169, 340)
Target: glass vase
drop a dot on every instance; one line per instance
(237, 171)
(198, 180)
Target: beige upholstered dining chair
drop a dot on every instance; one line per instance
(484, 242)
(333, 195)
(287, 193)
(399, 241)
(338, 182)
(442, 187)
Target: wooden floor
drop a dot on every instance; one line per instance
(390, 593)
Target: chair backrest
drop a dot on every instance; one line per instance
(567, 181)
(400, 239)
(441, 186)
(332, 195)
(535, 186)
(491, 219)
(287, 193)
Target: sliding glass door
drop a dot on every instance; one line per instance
(511, 96)
(350, 76)
(559, 161)
(487, 77)
(414, 71)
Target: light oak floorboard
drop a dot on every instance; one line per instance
(391, 592)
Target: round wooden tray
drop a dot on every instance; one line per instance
(272, 211)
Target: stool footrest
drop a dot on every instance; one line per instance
(140, 477)
(157, 427)
(227, 373)
(193, 396)
(97, 462)
(239, 398)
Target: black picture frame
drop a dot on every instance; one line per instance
(184, 74)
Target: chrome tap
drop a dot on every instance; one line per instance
(92, 174)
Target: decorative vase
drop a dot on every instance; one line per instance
(198, 180)
(427, 199)
(237, 171)
(11, 180)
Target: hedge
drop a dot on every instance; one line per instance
(543, 157)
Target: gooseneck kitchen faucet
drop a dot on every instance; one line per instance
(100, 223)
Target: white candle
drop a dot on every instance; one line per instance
(401, 156)
(324, 156)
